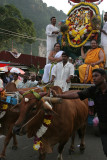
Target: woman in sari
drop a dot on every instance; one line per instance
(94, 58)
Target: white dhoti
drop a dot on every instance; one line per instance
(51, 39)
(105, 49)
(48, 70)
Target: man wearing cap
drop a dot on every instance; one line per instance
(62, 73)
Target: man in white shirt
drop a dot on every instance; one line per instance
(1, 83)
(54, 57)
(63, 72)
(25, 83)
(16, 80)
(33, 82)
(52, 33)
(104, 37)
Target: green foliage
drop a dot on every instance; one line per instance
(37, 12)
(13, 25)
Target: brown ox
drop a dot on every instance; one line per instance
(68, 117)
(7, 122)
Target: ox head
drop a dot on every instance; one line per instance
(31, 101)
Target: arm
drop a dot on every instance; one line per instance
(50, 32)
(53, 59)
(73, 95)
(101, 58)
(52, 80)
(71, 73)
(82, 53)
(104, 32)
(69, 79)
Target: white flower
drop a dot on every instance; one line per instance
(70, 32)
(26, 99)
(41, 131)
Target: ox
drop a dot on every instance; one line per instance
(6, 123)
(67, 117)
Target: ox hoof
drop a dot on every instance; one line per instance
(71, 150)
(82, 148)
(59, 157)
(14, 147)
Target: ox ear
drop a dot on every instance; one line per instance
(15, 108)
(42, 94)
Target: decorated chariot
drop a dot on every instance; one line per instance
(82, 24)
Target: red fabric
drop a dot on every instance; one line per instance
(3, 65)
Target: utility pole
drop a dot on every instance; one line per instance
(31, 54)
(12, 45)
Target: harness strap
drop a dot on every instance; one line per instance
(37, 95)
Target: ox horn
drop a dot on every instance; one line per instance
(52, 99)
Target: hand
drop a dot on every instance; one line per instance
(93, 64)
(53, 93)
(55, 32)
(52, 80)
(82, 47)
(68, 80)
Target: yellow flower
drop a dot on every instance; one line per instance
(37, 145)
(46, 121)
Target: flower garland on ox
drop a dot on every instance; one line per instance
(46, 122)
(83, 21)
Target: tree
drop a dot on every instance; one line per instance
(14, 26)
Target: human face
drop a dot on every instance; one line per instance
(105, 17)
(15, 77)
(33, 78)
(53, 21)
(98, 79)
(94, 44)
(64, 58)
(57, 47)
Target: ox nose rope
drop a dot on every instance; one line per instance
(29, 121)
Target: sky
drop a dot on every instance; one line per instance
(65, 6)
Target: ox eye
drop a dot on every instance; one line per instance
(26, 99)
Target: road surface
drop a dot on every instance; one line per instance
(25, 150)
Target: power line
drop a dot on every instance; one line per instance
(21, 35)
(17, 33)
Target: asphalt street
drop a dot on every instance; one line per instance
(25, 150)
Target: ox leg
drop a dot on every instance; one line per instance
(6, 142)
(42, 156)
(14, 147)
(81, 132)
(72, 147)
(60, 150)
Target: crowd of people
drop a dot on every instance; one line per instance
(21, 80)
